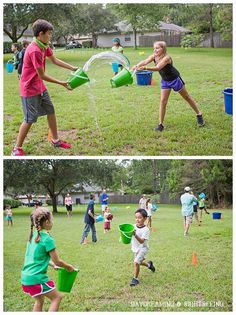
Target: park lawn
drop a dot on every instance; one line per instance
(99, 120)
(106, 267)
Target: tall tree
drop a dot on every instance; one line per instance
(94, 18)
(140, 16)
(18, 17)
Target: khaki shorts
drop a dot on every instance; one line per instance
(140, 256)
(188, 219)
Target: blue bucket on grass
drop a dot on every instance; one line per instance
(115, 67)
(144, 77)
(228, 98)
(216, 215)
(10, 67)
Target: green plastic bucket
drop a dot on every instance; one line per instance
(124, 77)
(126, 232)
(66, 279)
(78, 78)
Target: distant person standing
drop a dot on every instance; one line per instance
(104, 200)
(187, 200)
(117, 48)
(143, 202)
(89, 220)
(25, 44)
(8, 213)
(68, 203)
(15, 48)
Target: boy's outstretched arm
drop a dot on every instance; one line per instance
(45, 77)
(61, 63)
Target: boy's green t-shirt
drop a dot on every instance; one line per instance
(37, 259)
(201, 203)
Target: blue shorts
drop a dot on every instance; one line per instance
(176, 84)
(36, 106)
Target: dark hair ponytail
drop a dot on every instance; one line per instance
(31, 227)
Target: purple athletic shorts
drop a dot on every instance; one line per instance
(176, 84)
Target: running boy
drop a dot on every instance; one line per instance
(34, 95)
(139, 245)
(40, 250)
(170, 80)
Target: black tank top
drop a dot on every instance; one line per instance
(168, 73)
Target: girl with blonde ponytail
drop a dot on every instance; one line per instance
(171, 80)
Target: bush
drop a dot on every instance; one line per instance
(7, 47)
(87, 44)
(12, 202)
(192, 40)
(49, 202)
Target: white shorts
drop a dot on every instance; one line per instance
(140, 256)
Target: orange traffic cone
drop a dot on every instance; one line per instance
(154, 229)
(194, 259)
(49, 135)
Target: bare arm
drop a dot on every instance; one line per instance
(91, 215)
(144, 62)
(139, 239)
(61, 63)
(161, 64)
(58, 262)
(45, 77)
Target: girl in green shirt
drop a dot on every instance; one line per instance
(41, 252)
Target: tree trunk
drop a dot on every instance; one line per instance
(211, 25)
(94, 36)
(155, 179)
(54, 204)
(135, 37)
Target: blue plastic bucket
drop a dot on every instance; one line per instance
(10, 67)
(216, 215)
(99, 218)
(228, 98)
(144, 77)
(115, 67)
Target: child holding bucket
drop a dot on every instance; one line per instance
(40, 250)
(171, 80)
(139, 245)
(35, 99)
(118, 49)
(202, 206)
(107, 220)
(89, 220)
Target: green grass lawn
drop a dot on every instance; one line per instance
(106, 267)
(99, 120)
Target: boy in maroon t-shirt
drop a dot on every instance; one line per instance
(34, 95)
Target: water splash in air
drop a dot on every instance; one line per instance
(109, 57)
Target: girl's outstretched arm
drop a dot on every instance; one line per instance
(161, 64)
(143, 62)
(58, 262)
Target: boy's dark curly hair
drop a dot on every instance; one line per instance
(143, 212)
